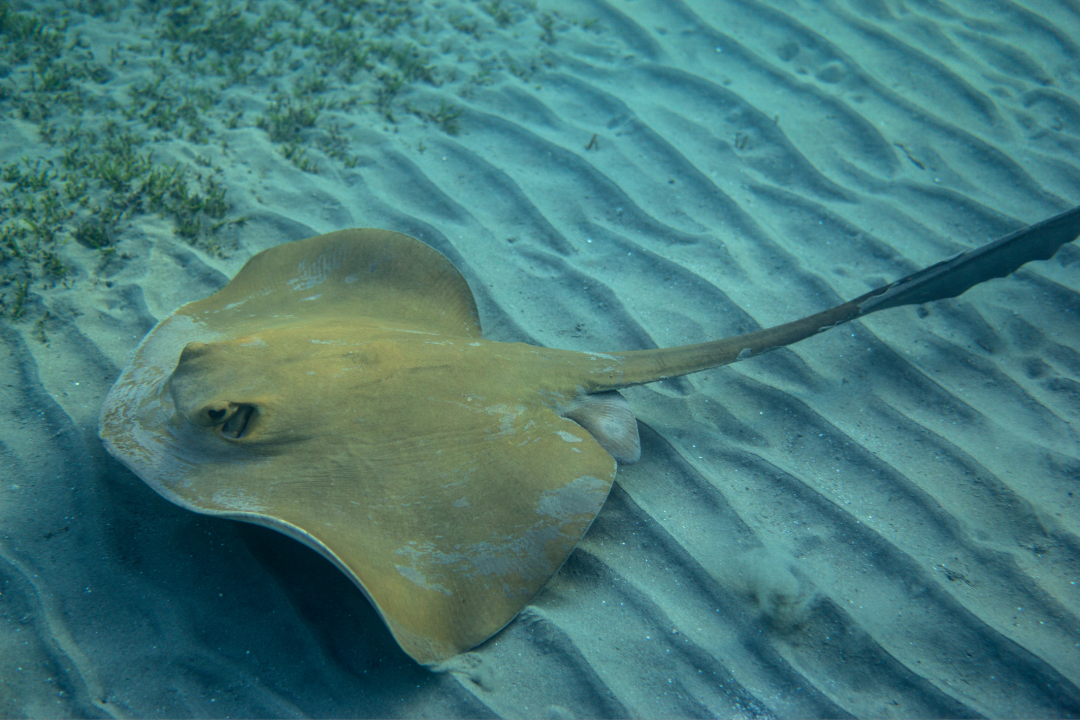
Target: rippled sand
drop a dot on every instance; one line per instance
(880, 522)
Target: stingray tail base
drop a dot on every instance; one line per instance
(945, 279)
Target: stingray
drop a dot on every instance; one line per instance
(339, 390)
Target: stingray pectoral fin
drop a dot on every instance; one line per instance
(473, 532)
(946, 279)
(450, 534)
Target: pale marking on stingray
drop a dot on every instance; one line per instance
(510, 555)
(316, 273)
(506, 557)
(311, 297)
(254, 342)
(466, 474)
(567, 501)
(405, 330)
(236, 499)
(507, 415)
(347, 369)
(567, 436)
(413, 575)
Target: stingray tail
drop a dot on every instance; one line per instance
(945, 279)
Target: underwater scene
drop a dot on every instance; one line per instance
(322, 490)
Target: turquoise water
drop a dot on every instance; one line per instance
(879, 521)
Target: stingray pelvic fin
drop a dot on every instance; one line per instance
(608, 418)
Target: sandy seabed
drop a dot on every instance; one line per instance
(883, 521)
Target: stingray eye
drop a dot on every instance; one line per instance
(213, 414)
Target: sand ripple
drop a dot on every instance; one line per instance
(882, 521)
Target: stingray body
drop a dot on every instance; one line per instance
(339, 390)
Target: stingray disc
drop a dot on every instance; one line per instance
(338, 390)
